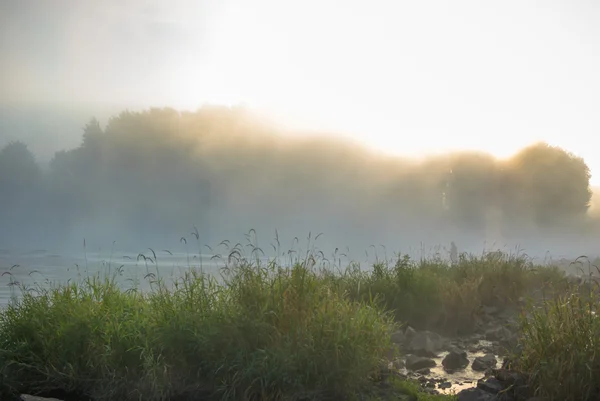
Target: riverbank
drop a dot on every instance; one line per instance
(402, 329)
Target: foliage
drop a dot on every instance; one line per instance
(549, 184)
(160, 169)
(270, 333)
(262, 330)
(560, 345)
(448, 298)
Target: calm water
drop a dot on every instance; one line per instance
(42, 267)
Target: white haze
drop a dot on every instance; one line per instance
(407, 77)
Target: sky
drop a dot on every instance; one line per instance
(408, 77)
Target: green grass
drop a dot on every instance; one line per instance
(396, 389)
(560, 345)
(269, 334)
(262, 332)
(432, 294)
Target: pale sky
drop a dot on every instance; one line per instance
(406, 76)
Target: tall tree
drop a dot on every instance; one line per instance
(19, 171)
(551, 185)
(20, 183)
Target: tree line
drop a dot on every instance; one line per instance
(159, 171)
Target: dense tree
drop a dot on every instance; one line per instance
(18, 168)
(161, 171)
(19, 173)
(20, 190)
(92, 134)
(549, 185)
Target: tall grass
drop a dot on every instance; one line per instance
(269, 333)
(259, 331)
(560, 345)
(434, 294)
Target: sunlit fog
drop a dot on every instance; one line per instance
(311, 200)
(398, 123)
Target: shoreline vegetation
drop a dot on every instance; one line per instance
(306, 331)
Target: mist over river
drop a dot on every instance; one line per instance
(136, 269)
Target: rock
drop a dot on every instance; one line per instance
(27, 397)
(482, 363)
(476, 394)
(458, 343)
(398, 337)
(445, 385)
(511, 341)
(474, 348)
(491, 385)
(409, 333)
(414, 362)
(498, 334)
(426, 343)
(424, 371)
(510, 377)
(456, 359)
(490, 310)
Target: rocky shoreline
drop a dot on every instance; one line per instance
(474, 367)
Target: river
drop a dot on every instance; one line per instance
(43, 267)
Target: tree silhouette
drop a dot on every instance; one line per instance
(548, 184)
(158, 172)
(19, 172)
(20, 187)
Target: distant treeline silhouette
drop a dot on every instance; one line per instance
(160, 171)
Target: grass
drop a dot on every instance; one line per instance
(270, 333)
(396, 389)
(560, 345)
(433, 294)
(260, 332)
